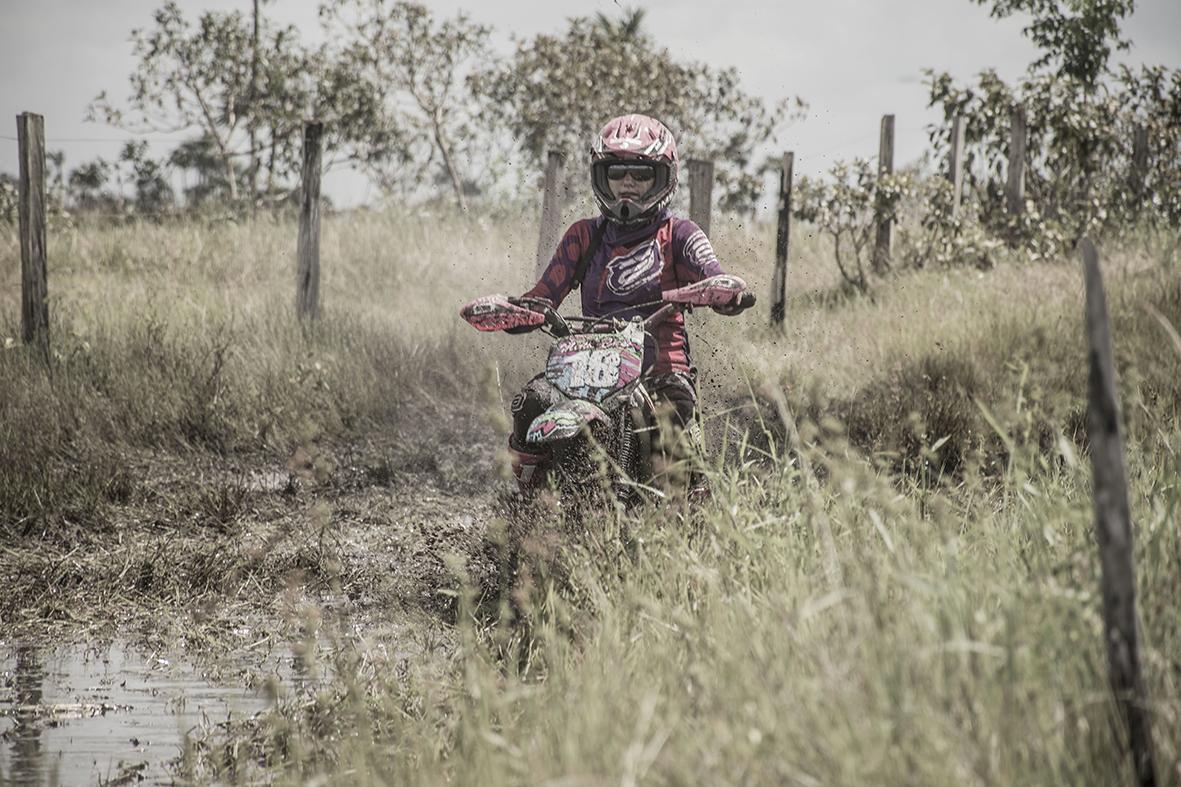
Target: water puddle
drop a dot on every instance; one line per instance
(81, 714)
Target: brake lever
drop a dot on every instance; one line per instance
(556, 323)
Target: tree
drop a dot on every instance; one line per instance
(1075, 36)
(9, 199)
(199, 156)
(846, 206)
(627, 27)
(188, 78)
(153, 194)
(87, 186)
(202, 76)
(1081, 122)
(413, 65)
(55, 177)
(555, 92)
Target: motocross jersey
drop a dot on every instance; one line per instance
(627, 275)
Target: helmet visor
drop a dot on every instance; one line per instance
(654, 182)
(640, 173)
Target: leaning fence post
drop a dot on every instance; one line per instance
(701, 192)
(307, 288)
(955, 170)
(1113, 525)
(30, 134)
(1018, 138)
(782, 237)
(885, 226)
(551, 209)
(1139, 161)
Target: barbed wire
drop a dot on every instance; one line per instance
(146, 137)
(155, 138)
(82, 214)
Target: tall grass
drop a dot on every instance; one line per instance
(180, 337)
(918, 607)
(946, 638)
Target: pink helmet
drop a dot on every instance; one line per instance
(635, 140)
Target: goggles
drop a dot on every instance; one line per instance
(641, 173)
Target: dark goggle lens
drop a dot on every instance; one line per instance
(641, 173)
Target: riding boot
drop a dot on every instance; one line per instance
(698, 491)
(528, 468)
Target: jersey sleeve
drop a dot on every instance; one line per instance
(558, 279)
(693, 254)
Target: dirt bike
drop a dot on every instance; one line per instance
(602, 418)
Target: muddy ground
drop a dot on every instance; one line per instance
(202, 545)
(211, 577)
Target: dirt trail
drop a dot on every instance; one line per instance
(204, 543)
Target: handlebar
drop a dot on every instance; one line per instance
(559, 326)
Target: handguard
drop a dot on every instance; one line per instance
(722, 290)
(497, 313)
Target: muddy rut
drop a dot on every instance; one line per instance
(202, 543)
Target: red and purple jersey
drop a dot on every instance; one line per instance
(627, 275)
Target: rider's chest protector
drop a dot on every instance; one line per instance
(629, 271)
(626, 279)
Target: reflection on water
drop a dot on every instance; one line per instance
(79, 715)
(26, 740)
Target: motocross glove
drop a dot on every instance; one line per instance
(739, 305)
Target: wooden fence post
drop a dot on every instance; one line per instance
(955, 171)
(307, 287)
(1113, 524)
(782, 237)
(885, 227)
(1018, 139)
(551, 209)
(30, 134)
(1139, 161)
(701, 192)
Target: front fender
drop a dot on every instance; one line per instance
(563, 421)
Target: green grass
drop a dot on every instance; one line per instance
(921, 609)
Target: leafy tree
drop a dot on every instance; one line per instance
(87, 186)
(556, 91)
(199, 156)
(189, 77)
(1075, 36)
(627, 27)
(153, 194)
(1151, 98)
(844, 207)
(1081, 119)
(411, 67)
(199, 76)
(55, 176)
(9, 199)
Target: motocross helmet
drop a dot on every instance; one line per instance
(644, 147)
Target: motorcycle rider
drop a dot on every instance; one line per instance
(623, 260)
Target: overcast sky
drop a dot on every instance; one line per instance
(851, 60)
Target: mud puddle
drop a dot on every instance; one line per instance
(79, 714)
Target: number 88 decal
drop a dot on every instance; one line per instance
(595, 369)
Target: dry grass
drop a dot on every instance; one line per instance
(931, 627)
